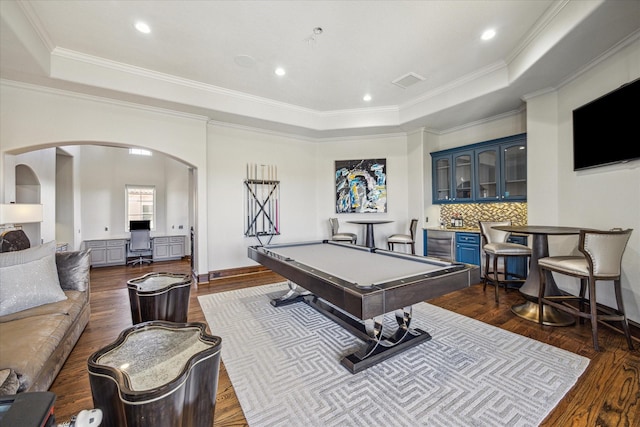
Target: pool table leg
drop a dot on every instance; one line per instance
(294, 294)
(377, 346)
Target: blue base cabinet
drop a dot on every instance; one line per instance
(468, 248)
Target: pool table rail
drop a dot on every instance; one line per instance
(370, 301)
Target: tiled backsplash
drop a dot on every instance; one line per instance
(474, 212)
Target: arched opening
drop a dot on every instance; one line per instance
(85, 183)
(28, 190)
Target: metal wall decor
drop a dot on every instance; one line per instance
(361, 186)
(262, 206)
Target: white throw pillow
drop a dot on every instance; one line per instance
(29, 284)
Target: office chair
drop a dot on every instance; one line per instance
(140, 243)
(496, 248)
(404, 239)
(600, 260)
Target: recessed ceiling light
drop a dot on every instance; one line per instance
(280, 71)
(367, 97)
(489, 34)
(143, 27)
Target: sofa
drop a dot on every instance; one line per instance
(44, 308)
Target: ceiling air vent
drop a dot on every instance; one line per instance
(408, 80)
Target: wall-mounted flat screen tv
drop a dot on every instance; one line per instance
(143, 224)
(607, 129)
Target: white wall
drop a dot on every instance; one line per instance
(104, 174)
(35, 118)
(393, 148)
(306, 173)
(229, 151)
(601, 198)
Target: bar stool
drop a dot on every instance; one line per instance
(497, 248)
(341, 237)
(404, 239)
(601, 259)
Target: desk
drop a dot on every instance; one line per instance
(157, 374)
(540, 249)
(356, 286)
(370, 241)
(108, 252)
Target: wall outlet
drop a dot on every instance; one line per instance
(106, 229)
(426, 219)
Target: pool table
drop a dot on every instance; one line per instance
(357, 286)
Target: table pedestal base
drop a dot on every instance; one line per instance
(378, 344)
(550, 315)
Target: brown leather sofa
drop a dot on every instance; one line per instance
(35, 342)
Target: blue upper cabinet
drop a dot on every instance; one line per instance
(491, 171)
(453, 176)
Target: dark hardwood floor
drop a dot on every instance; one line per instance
(607, 394)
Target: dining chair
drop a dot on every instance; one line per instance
(341, 237)
(600, 260)
(404, 239)
(496, 249)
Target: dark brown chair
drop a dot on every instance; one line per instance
(601, 260)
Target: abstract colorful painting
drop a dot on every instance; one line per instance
(361, 186)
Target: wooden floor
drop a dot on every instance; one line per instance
(607, 394)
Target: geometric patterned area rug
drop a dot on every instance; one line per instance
(284, 364)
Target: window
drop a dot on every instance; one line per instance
(140, 204)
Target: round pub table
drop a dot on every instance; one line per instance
(370, 241)
(530, 289)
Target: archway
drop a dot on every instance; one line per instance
(28, 190)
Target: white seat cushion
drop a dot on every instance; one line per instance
(506, 249)
(400, 238)
(343, 236)
(566, 264)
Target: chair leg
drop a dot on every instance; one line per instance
(583, 287)
(413, 248)
(625, 323)
(541, 295)
(495, 275)
(593, 313)
(486, 271)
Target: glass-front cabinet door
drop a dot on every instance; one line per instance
(514, 171)
(442, 179)
(487, 174)
(463, 177)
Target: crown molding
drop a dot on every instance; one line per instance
(103, 100)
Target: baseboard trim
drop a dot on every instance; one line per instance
(212, 276)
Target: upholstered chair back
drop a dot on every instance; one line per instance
(604, 250)
(492, 235)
